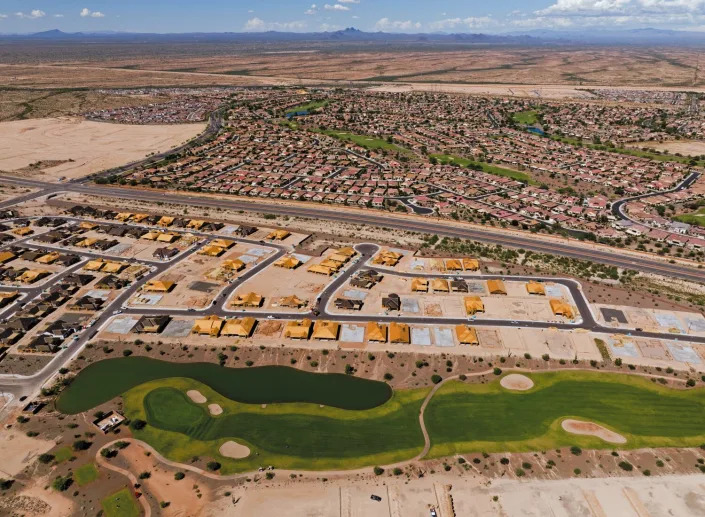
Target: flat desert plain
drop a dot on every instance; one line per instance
(91, 146)
(474, 497)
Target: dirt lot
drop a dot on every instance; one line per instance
(684, 147)
(82, 146)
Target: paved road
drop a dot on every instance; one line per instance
(618, 206)
(536, 243)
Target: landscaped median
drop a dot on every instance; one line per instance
(200, 411)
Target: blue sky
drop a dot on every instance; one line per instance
(19, 16)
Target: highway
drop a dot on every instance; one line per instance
(537, 243)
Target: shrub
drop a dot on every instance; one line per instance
(435, 378)
(62, 483)
(6, 484)
(378, 471)
(545, 357)
(504, 461)
(625, 465)
(145, 475)
(45, 458)
(520, 472)
(269, 475)
(213, 465)
(138, 424)
(127, 352)
(577, 472)
(122, 444)
(690, 383)
(527, 355)
(81, 445)
(576, 450)
(497, 371)
(164, 504)
(647, 472)
(388, 376)
(397, 471)
(179, 476)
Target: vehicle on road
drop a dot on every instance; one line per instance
(375, 497)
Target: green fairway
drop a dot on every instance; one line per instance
(463, 417)
(294, 435)
(85, 474)
(105, 380)
(368, 142)
(528, 117)
(630, 151)
(121, 504)
(696, 218)
(485, 167)
(309, 106)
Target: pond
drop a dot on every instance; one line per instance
(105, 380)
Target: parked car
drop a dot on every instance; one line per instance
(375, 497)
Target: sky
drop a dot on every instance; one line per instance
(410, 16)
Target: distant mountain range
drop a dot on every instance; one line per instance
(647, 36)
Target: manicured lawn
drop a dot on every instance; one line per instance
(464, 417)
(285, 435)
(121, 504)
(85, 474)
(525, 117)
(63, 454)
(105, 380)
(368, 142)
(486, 167)
(309, 106)
(696, 218)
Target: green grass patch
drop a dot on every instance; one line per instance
(294, 435)
(485, 167)
(85, 474)
(309, 106)
(696, 218)
(63, 454)
(463, 417)
(368, 142)
(629, 151)
(121, 504)
(105, 380)
(528, 117)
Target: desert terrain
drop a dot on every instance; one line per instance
(72, 147)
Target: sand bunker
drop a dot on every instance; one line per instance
(592, 429)
(215, 409)
(196, 396)
(231, 449)
(516, 381)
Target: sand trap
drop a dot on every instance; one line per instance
(516, 381)
(196, 396)
(231, 449)
(215, 409)
(592, 429)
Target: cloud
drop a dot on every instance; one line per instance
(471, 22)
(336, 7)
(32, 15)
(622, 7)
(384, 24)
(348, 1)
(327, 27)
(85, 12)
(615, 14)
(58, 16)
(311, 10)
(259, 25)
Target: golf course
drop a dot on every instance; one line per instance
(298, 420)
